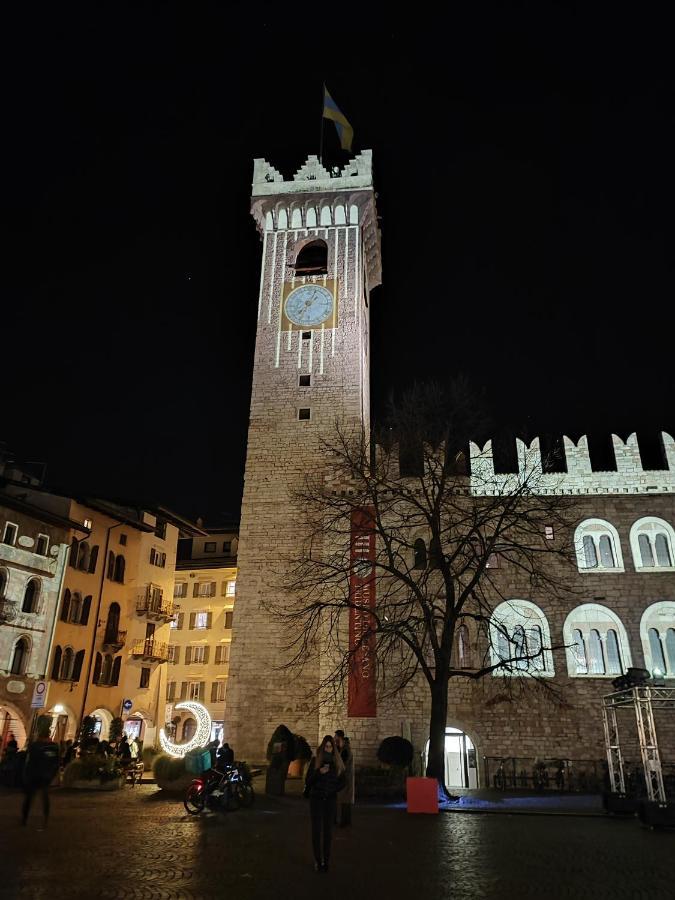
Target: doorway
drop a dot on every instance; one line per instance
(461, 766)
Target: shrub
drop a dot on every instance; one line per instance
(116, 730)
(282, 736)
(168, 768)
(302, 748)
(395, 751)
(91, 768)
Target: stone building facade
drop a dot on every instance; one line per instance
(307, 377)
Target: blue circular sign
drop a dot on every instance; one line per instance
(127, 704)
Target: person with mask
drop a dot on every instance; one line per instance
(325, 778)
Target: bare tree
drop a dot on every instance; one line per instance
(443, 537)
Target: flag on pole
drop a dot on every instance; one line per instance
(344, 129)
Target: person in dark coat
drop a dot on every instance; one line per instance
(325, 778)
(345, 799)
(42, 764)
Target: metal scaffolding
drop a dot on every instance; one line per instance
(643, 700)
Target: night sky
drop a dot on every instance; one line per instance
(524, 160)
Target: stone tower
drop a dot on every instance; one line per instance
(320, 260)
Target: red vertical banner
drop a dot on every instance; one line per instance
(362, 699)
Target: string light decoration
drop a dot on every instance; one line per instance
(201, 735)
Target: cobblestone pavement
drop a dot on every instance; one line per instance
(136, 843)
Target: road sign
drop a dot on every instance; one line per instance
(127, 705)
(39, 695)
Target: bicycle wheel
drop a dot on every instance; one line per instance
(245, 794)
(194, 800)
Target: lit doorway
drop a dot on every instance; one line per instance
(461, 767)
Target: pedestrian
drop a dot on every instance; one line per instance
(325, 778)
(134, 749)
(345, 799)
(124, 752)
(227, 754)
(42, 764)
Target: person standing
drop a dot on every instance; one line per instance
(345, 799)
(42, 764)
(325, 778)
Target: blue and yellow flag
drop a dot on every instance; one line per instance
(344, 129)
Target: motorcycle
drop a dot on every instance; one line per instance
(226, 789)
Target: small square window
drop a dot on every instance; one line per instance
(304, 414)
(42, 544)
(9, 536)
(210, 547)
(123, 540)
(227, 547)
(306, 335)
(548, 532)
(305, 380)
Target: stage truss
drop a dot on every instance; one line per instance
(643, 700)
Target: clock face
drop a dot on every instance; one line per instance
(309, 305)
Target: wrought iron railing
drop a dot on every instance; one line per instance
(151, 649)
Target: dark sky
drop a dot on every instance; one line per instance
(524, 163)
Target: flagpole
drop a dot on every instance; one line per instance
(323, 101)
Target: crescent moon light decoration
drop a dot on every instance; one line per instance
(201, 735)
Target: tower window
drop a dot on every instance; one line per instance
(304, 414)
(306, 335)
(305, 380)
(312, 259)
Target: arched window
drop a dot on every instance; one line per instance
(75, 612)
(106, 670)
(119, 569)
(93, 558)
(65, 606)
(67, 664)
(520, 638)
(613, 653)
(30, 596)
(312, 259)
(463, 647)
(580, 653)
(86, 606)
(595, 654)
(115, 677)
(56, 665)
(652, 541)
(72, 560)
(20, 657)
(84, 557)
(110, 568)
(420, 549)
(596, 642)
(657, 632)
(598, 546)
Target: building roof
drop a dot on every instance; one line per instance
(210, 562)
(42, 515)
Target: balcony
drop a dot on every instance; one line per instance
(114, 640)
(151, 603)
(8, 610)
(151, 650)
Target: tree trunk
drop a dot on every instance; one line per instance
(439, 720)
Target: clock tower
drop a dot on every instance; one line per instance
(320, 260)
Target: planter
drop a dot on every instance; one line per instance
(82, 784)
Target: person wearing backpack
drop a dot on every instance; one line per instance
(41, 766)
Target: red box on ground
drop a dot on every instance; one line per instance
(422, 794)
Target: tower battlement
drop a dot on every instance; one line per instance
(579, 478)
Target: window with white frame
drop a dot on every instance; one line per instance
(171, 691)
(157, 558)
(194, 690)
(230, 588)
(171, 653)
(180, 590)
(9, 534)
(657, 633)
(222, 654)
(201, 620)
(598, 547)
(42, 544)
(204, 589)
(520, 640)
(197, 655)
(596, 642)
(652, 541)
(219, 690)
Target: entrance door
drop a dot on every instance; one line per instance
(460, 759)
